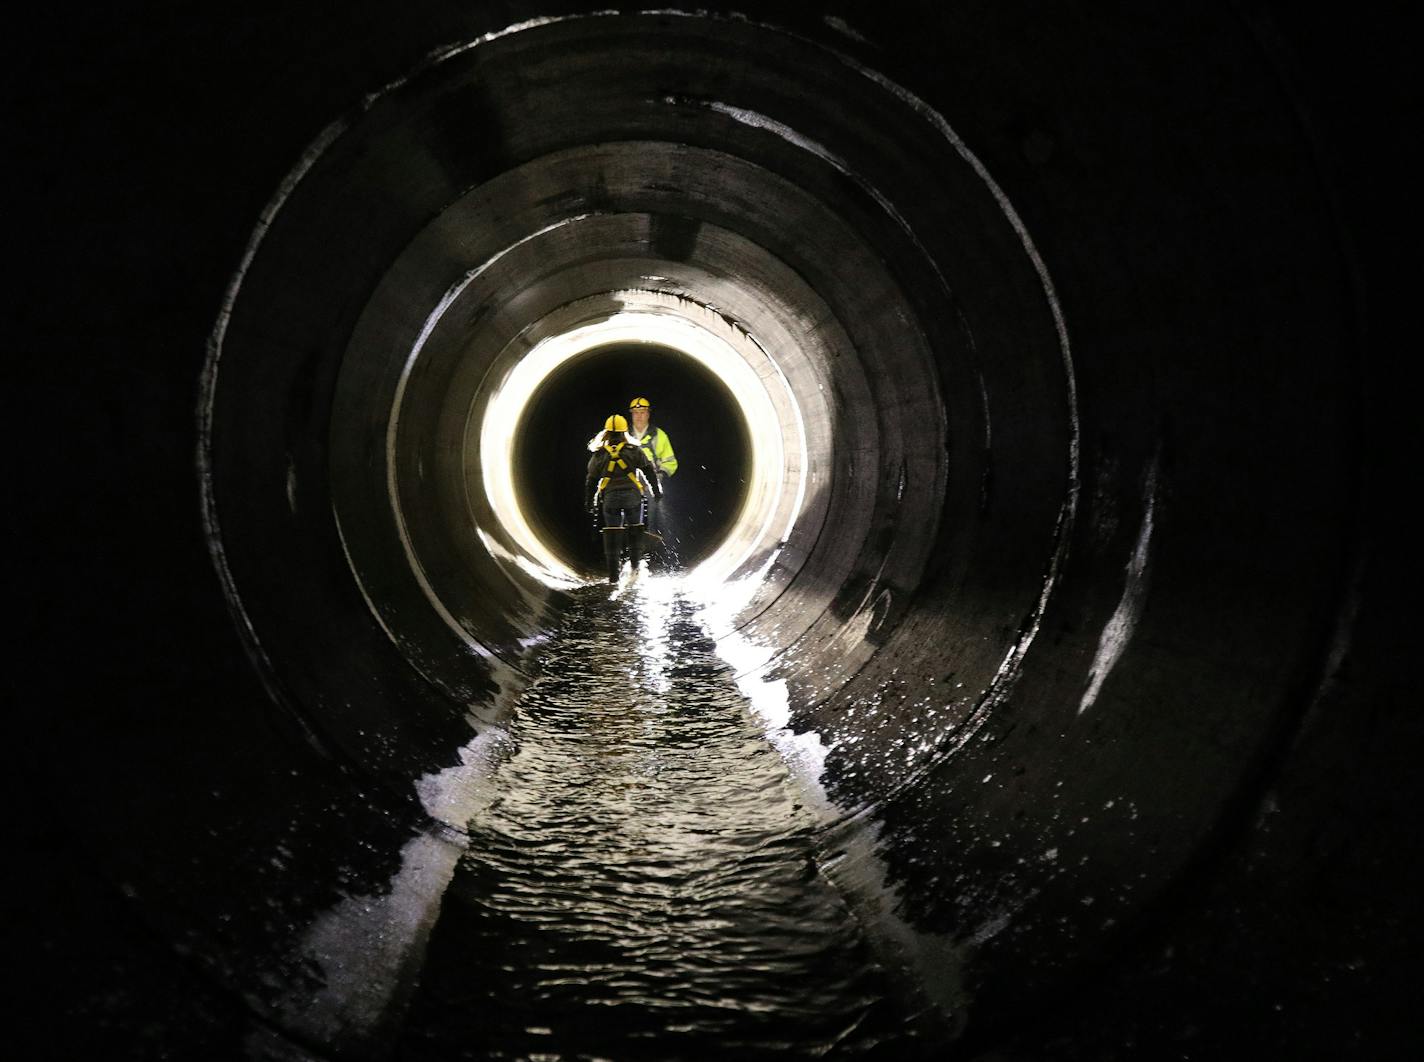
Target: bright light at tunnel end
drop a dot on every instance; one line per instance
(769, 478)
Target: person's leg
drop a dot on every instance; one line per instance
(651, 536)
(614, 518)
(613, 551)
(635, 545)
(663, 549)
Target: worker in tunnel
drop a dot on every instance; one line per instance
(621, 481)
(656, 445)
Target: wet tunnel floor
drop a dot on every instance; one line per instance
(644, 883)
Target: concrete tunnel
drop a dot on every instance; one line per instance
(1022, 355)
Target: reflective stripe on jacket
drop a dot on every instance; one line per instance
(658, 448)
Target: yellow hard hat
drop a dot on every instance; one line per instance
(640, 403)
(615, 423)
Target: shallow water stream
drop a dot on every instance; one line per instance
(644, 881)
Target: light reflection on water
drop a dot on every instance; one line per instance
(646, 881)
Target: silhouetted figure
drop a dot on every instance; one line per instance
(621, 480)
(656, 445)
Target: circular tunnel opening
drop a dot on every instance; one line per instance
(689, 402)
(983, 632)
(868, 298)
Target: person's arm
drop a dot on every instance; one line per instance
(662, 448)
(590, 483)
(650, 473)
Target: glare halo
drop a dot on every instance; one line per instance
(655, 326)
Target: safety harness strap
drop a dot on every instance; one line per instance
(616, 463)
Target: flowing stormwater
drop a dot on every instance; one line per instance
(646, 880)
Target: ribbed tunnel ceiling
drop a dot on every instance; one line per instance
(1049, 341)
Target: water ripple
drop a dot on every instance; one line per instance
(645, 883)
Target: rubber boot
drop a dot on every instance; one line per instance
(635, 547)
(613, 552)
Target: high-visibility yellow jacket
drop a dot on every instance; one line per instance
(656, 445)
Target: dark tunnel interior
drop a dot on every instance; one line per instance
(1037, 378)
(568, 409)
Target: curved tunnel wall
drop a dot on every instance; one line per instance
(1071, 355)
(852, 306)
